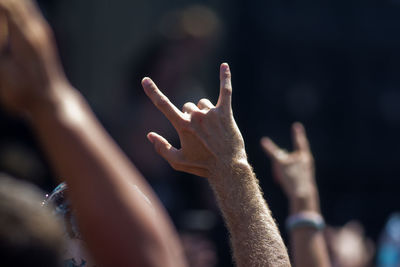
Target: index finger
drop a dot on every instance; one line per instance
(173, 114)
(272, 150)
(225, 95)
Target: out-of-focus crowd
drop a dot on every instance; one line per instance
(105, 213)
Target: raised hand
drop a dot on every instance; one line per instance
(29, 65)
(210, 138)
(294, 171)
(296, 174)
(212, 147)
(131, 228)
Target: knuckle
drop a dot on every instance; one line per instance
(198, 116)
(204, 101)
(215, 116)
(187, 105)
(184, 124)
(227, 74)
(187, 127)
(227, 90)
(213, 113)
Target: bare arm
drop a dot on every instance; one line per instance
(212, 147)
(295, 172)
(119, 216)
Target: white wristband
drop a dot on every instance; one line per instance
(305, 219)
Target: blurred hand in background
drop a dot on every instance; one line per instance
(29, 66)
(120, 218)
(295, 170)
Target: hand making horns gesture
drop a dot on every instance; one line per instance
(295, 170)
(210, 138)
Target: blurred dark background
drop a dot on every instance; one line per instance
(333, 65)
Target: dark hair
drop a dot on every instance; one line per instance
(29, 234)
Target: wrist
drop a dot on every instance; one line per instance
(227, 171)
(63, 103)
(49, 98)
(305, 219)
(303, 202)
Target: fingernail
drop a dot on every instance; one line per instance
(146, 81)
(265, 140)
(297, 127)
(150, 138)
(225, 66)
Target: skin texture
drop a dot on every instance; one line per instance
(295, 173)
(120, 217)
(212, 147)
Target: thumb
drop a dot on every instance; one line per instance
(164, 148)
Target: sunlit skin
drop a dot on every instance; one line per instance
(119, 224)
(295, 172)
(213, 147)
(120, 218)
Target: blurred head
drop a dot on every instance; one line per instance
(29, 234)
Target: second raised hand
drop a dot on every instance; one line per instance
(295, 171)
(210, 139)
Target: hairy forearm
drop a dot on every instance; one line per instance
(119, 216)
(308, 245)
(254, 236)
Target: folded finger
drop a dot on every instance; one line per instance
(205, 104)
(189, 108)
